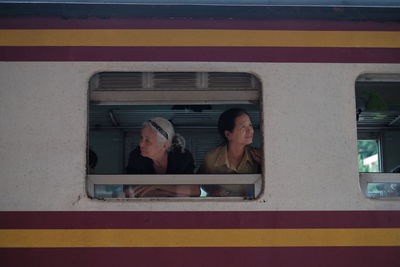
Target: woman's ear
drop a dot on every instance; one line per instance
(165, 146)
(227, 134)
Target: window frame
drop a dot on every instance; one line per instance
(366, 178)
(152, 97)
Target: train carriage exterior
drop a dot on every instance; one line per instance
(306, 62)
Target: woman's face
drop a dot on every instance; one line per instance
(242, 133)
(149, 145)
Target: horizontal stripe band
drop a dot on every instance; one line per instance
(197, 219)
(179, 23)
(200, 38)
(216, 54)
(200, 237)
(69, 9)
(200, 257)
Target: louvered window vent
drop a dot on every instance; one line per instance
(113, 81)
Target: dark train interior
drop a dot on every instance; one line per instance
(115, 123)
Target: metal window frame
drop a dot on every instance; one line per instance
(154, 96)
(174, 179)
(151, 96)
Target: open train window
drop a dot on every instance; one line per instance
(119, 104)
(378, 130)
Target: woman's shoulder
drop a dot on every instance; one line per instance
(211, 158)
(137, 164)
(180, 162)
(214, 153)
(136, 158)
(186, 154)
(249, 148)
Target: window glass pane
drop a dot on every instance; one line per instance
(107, 191)
(102, 191)
(383, 190)
(368, 156)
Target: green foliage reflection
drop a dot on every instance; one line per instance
(366, 150)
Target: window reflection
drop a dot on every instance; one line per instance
(383, 190)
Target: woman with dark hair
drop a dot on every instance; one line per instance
(160, 151)
(235, 155)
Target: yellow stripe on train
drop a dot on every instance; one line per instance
(194, 37)
(199, 237)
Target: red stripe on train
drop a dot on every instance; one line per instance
(196, 257)
(216, 54)
(198, 220)
(134, 23)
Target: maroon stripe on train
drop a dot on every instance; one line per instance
(126, 23)
(200, 257)
(216, 54)
(198, 220)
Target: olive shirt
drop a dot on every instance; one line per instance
(216, 162)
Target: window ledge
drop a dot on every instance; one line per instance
(174, 179)
(389, 183)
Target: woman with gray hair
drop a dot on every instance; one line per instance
(160, 151)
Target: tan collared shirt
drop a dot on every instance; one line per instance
(216, 162)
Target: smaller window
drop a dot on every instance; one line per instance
(378, 130)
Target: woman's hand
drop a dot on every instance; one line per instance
(166, 191)
(143, 190)
(256, 154)
(220, 193)
(216, 191)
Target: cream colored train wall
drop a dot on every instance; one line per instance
(309, 136)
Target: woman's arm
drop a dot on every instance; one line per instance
(167, 190)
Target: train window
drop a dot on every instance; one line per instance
(120, 102)
(378, 130)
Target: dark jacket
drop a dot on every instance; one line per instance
(178, 163)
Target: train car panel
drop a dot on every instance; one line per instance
(289, 122)
(329, 77)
